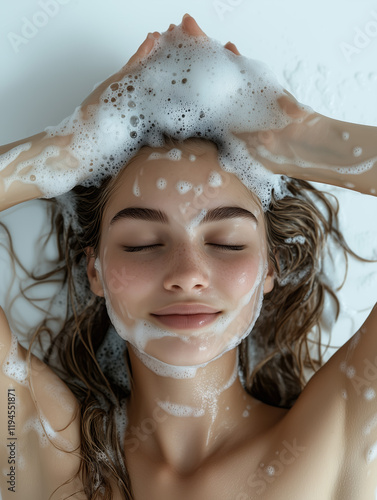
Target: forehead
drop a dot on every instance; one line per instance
(178, 176)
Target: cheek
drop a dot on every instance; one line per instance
(240, 274)
(124, 278)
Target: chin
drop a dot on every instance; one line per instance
(178, 352)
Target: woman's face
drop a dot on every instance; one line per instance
(179, 246)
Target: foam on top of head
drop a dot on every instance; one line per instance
(187, 87)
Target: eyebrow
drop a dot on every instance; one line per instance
(213, 215)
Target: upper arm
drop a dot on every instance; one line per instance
(5, 336)
(40, 395)
(354, 366)
(359, 365)
(39, 415)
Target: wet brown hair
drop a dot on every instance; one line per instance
(273, 358)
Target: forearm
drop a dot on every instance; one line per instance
(346, 157)
(317, 148)
(18, 183)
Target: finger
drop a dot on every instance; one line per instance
(171, 27)
(191, 26)
(266, 137)
(230, 46)
(291, 107)
(145, 47)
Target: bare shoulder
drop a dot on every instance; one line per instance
(356, 367)
(39, 425)
(339, 408)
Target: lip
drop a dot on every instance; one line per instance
(186, 316)
(186, 309)
(187, 321)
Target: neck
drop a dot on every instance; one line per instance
(183, 421)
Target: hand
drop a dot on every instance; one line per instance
(189, 25)
(65, 168)
(311, 139)
(99, 132)
(298, 143)
(142, 52)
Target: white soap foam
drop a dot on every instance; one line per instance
(14, 367)
(210, 398)
(223, 321)
(174, 154)
(154, 156)
(296, 239)
(136, 188)
(351, 372)
(350, 170)
(45, 433)
(60, 394)
(14, 153)
(183, 207)
(231, 380)
(198, 190)
(183, 187)
(178, 410)
(192, 157)
(143, 331)
(293, 278)
(356, 169)
(161, 183)
(270, 469)
(369, 394)
(371, 424)
(170, 92)
(164, 369)
(195, 221)
(357, 151)
(215, 179)
(345, 136)
(355, 340)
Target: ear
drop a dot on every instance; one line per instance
(92, 273)
(269, 282)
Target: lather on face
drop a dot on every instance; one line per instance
(179, 254)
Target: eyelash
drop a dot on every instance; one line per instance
(224, 247)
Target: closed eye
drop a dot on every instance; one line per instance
(224, 247)
(139, 249)
(229, 247)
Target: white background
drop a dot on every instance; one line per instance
(325, 53)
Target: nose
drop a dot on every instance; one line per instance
(187, 271)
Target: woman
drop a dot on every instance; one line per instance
(183, 279)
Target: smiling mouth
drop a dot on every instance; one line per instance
(187, 321)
